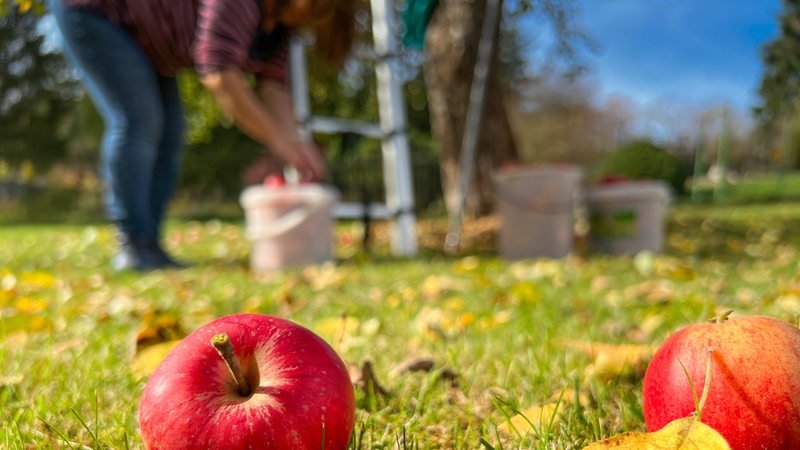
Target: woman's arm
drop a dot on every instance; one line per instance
(277, 99)
(267, 117)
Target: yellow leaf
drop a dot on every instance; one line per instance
(432, 287)
(38, 278)
(23, 323)
(145, 362)
(455, 304)
(526, 292)
(27, 305)
(468, 264)
(613, 360)
(533, 419)
(159, 327)
(325, 276)
(331, 327)
(441, 323)
(430, 322)
(682, 434)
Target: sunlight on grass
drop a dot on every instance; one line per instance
(490, 339)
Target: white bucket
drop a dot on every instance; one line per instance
(289, 226)
(536, 205)
(627, 217)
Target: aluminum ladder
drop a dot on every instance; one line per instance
(391, 131)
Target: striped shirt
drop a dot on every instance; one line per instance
(209, 35)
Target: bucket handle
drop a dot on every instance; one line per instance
(287, 222)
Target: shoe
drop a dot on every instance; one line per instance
(164, 259)
(142, 254)
(134, 254)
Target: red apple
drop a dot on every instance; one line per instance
(290, 391)
(274, 180)
(754, 391)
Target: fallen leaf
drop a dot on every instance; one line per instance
(467, 264)
(532, 420)
(325, 276)
(159, 327)
(146, 361)
(427, 365)
(496, 320)
(30, 306)
(10, 380)
(331, 328)
(682, 434)
(432, 287)
(365, 379)
(613, 360)
(23, 323)
(38, 278)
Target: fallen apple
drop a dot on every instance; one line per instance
(753, 369)
(249, 381)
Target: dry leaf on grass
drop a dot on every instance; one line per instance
(158, 327)
(682, 434)
(146, 361)
(531, 420)
(365, 379)
(427, 365)
(613, 360)
(160, 332)
(536, 418)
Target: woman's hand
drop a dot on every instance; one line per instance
(305, 157)
(267, 117)
(299, 151)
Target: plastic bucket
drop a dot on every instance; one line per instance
(289, 226)
(627, 217)
(536, 206)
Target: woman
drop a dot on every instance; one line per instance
(129, 53)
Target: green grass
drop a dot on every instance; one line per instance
(68, 325)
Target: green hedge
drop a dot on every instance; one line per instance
(644, 160)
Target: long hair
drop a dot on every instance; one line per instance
(332, 21)
(336, 31)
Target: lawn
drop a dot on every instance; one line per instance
(565, 342)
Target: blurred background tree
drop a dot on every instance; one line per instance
(38, 95)
(451, 48)
(779, 90)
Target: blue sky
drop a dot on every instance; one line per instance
(678, 53)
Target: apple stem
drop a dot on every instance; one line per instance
(722, 317)
(224, 347)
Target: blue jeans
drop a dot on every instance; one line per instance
(142, 147)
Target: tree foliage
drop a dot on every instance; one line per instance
(779, 90)
(37, 94)
(780, 82)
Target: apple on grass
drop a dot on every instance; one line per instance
(249, 381)
(753, 393)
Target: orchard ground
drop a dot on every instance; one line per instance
(458, 344)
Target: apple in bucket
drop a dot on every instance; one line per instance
(249, 381)
(752, 365)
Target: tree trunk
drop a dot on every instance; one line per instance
(451, 45)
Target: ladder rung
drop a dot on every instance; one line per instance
(332, 125)
(354, 210)
(369, 54)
